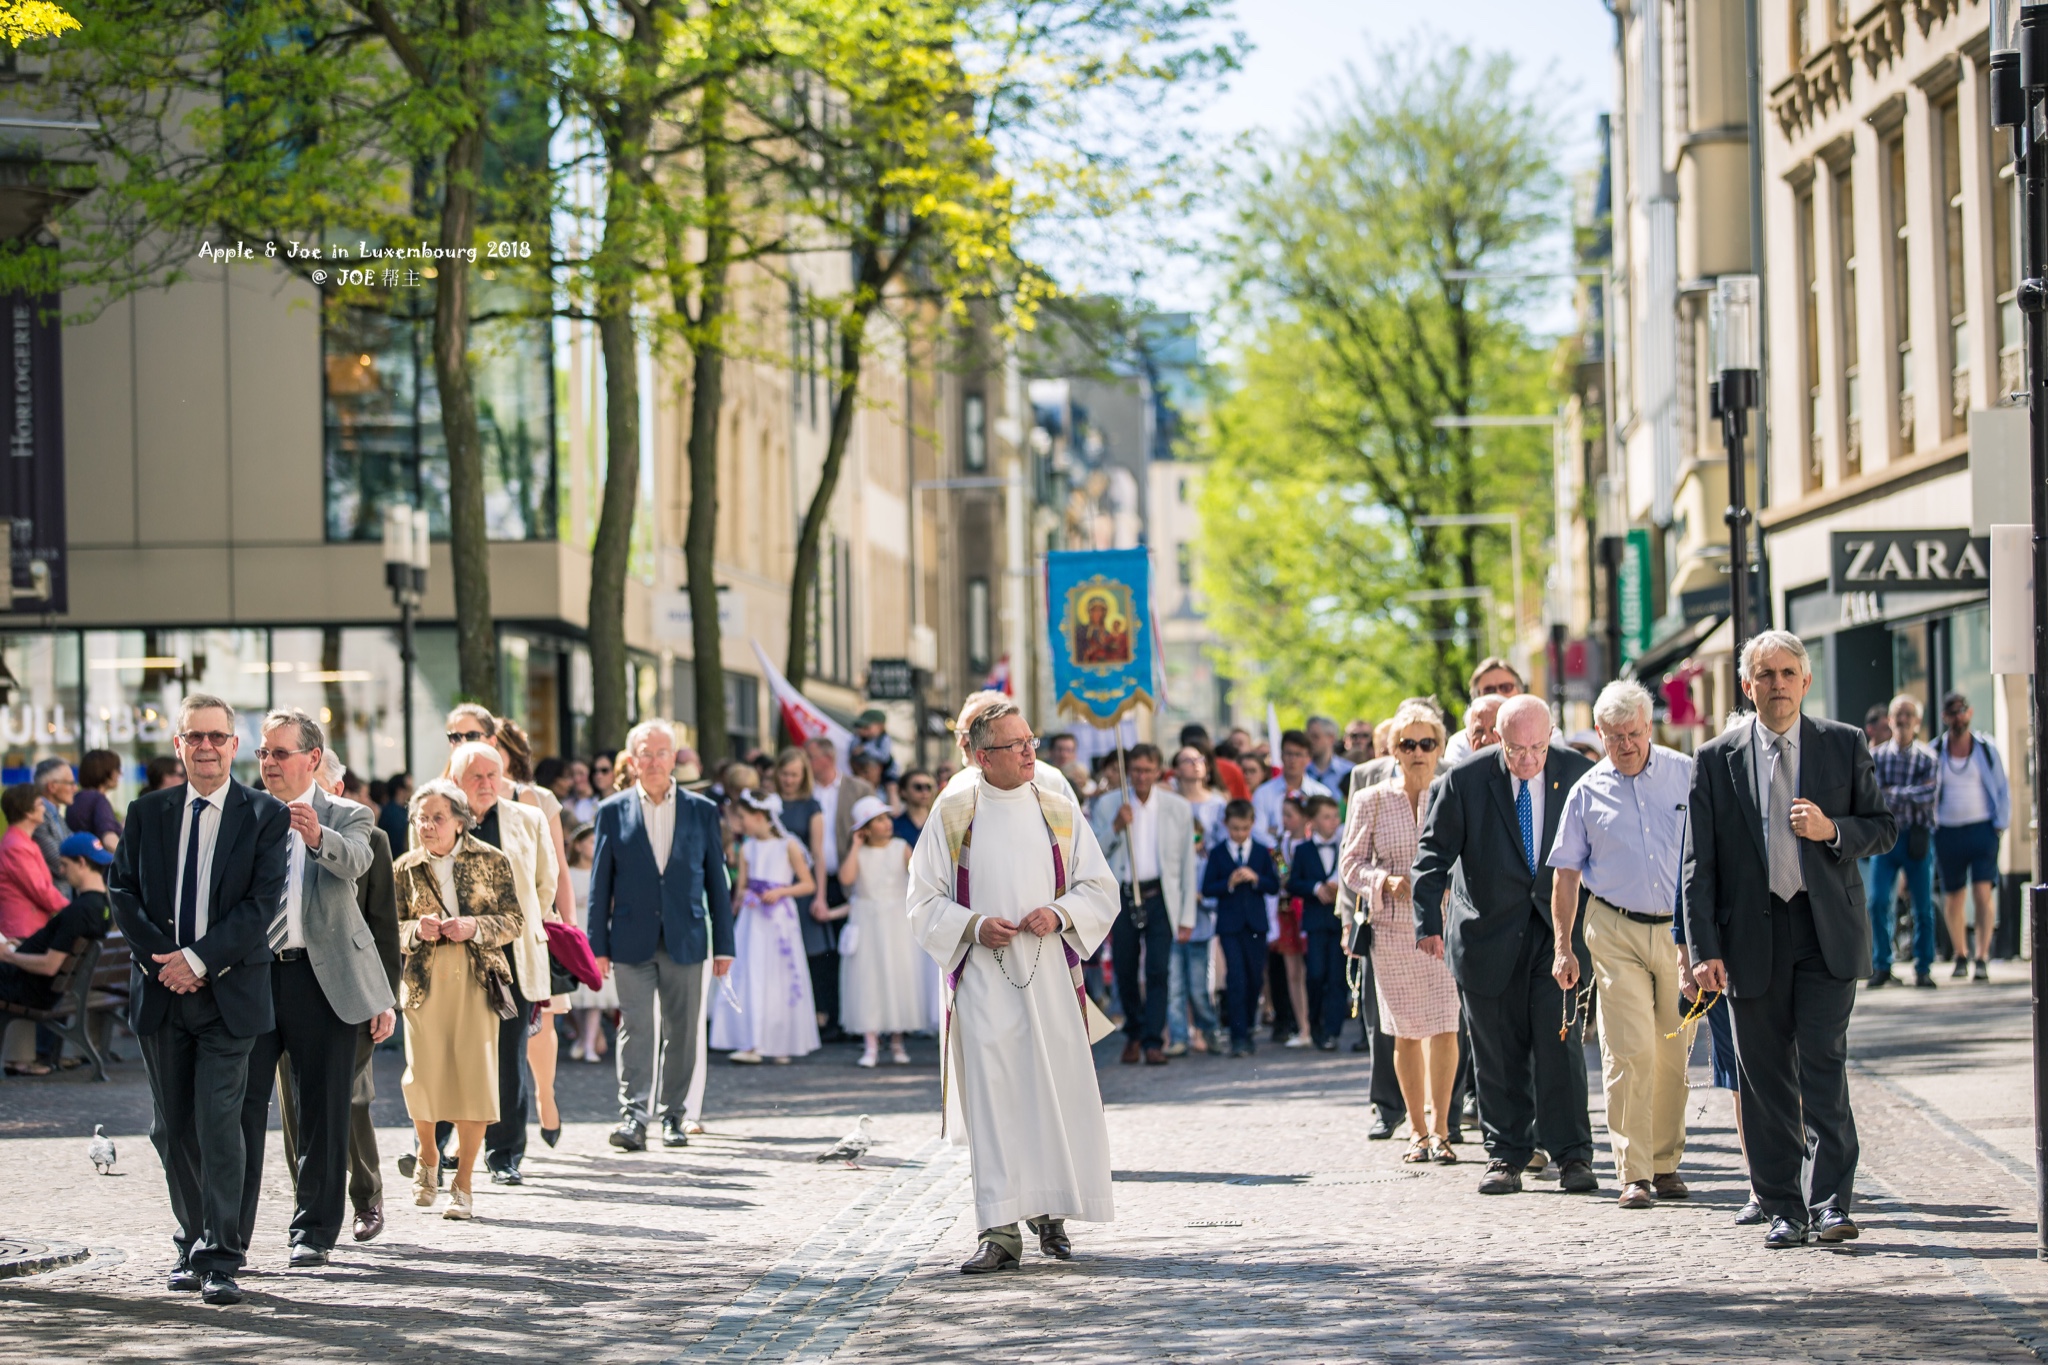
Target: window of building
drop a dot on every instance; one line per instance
(979, 649)
(1955, 296)
(1901, 282)
(742, 713)
(1806, 18)
(1845, 290)
(974, 434)
(2012, 347)
(1813, 468)
(832, 611)
(384, 442)
(1184, 564)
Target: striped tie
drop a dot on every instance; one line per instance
(280, 926)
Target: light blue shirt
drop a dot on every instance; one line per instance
(1626, 835)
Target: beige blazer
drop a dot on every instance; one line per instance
(526, 845)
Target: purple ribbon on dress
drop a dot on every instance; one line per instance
(785, 910)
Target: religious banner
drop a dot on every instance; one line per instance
(34, 486)
(1099, 607)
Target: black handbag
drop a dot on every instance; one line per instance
(1361, 933)
(498, 991)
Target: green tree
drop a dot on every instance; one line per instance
(1350, 259)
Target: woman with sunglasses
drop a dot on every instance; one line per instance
(1418, 1000)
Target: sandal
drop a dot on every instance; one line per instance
(1418, 1153)
(1442, 1153)
(27, 1069)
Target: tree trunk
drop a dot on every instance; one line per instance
(707, 398)
(469, 550)
(610, 552)
(846, 386)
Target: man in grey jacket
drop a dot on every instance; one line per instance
(327, 980)
(1150, 843)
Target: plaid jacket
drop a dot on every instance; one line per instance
(1906, 777)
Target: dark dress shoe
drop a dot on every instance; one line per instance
(369, 1223)
(1155, 1056)
(1924, 981)
(1362, 1045)
(1053, 1241)
(987, 1259)
(1502, 1177)
(1836, 1226)
(1382, 1127)
(184, 1279)
(1576, 1177)
(508, 1175)
(1132, 1052)
(449, 1162)
(1455, 1135)
(1670, 1186)
(1879, 981)
(1240, 1052)
(1752, 1214)
(629, 1137)
(672, 1134)
(307, 1257)
(220, 1289)
(1327, 1045)
(1785, 1233)
(551, 1136)
(407, 1164)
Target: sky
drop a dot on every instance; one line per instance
(1301, 49)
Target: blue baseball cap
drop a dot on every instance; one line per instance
(84, 846)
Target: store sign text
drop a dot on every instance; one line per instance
(1908, 561)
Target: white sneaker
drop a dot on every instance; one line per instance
(746, 1058)
(458, 1205)
(899, 1056)
(867, 1059)
(1296, 1041)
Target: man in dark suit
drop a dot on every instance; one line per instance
(1239, 876)
(198, 879)
(1783, 806)
(659, 904)
(1487, 839)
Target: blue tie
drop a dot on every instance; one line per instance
(1525, 815)
(188, 885)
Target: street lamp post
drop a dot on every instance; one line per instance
(2019, 79)
(408, 549)
(1733, 323)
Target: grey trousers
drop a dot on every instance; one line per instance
(661, 1009)
(1009, 1239)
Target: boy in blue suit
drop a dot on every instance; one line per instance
(1312, 878)
(1239, 876)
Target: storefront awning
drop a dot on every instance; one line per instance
(1656, 661)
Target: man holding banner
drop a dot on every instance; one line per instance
(1018, 1079)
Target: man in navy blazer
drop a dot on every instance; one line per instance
(1239, 876)
(660, 904)
(198, 882)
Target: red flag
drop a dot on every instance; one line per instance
(801, 716)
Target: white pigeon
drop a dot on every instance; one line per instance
(101, 1150)
(853, 1146)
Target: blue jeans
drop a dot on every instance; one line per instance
(1188, 989)
(1880, 892)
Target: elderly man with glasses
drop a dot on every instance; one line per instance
(1622, 836)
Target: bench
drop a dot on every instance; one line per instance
(70, 1017)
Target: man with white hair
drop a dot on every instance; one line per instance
(1018, 1081)
(1486, 840)
(1622, 835)
(1044, 772)
(1781, 810)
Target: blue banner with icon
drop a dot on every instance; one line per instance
(1099, 627)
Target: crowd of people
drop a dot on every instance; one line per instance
(1462, 892)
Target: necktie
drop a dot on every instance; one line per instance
(280, 925)
(1779, 840)
(1525, 815)
(188, 884)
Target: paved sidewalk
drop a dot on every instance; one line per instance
(1254, 1223)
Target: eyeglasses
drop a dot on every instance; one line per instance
(466, 736)
(1499, 689)
(920, 788)
(1427, 744)
(1525, 750)
(206, 739)
(266, 755)
(1027, 745)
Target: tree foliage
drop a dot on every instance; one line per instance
(1357, 334)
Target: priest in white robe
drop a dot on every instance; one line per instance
(1009, 892)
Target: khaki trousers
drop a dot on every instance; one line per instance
(1636, 969)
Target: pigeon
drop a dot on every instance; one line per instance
(853, 1146)
(101, 1150)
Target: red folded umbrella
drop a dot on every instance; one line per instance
(569, 946)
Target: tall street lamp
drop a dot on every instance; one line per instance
(1734, 327)
(408, 549)
(2019, 79)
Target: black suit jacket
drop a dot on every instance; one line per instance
(1472, 842)
(377, 898)
(250, 861)
(1728, 881)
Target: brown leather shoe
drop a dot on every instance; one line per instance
(369, 1223)
(1132, 1052)
(1637, 1195)
(1155, 1056)
(1669, 1186)
(987, 1259)
(1052, 1240)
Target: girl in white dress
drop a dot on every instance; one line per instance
(771, 977)
(881, 986)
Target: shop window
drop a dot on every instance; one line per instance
(974, 445)
(134, 680)
(39, 705)
(1969, 663)
(384, 440)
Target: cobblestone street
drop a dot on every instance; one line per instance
(1254, 1223)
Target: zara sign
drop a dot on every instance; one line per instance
(1908, 561)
